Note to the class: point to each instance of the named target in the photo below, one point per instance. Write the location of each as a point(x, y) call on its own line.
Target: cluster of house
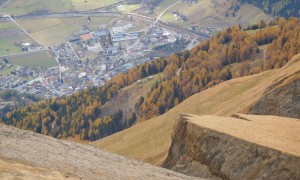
point(4, 64)
point(48, 84)
point(66, 56)
point(9, 82)
point(179, 16)
point(27, 46)
point(89, 58)
point(190, 1)
point(24, 72)
point(16, 78)
point(207, 30)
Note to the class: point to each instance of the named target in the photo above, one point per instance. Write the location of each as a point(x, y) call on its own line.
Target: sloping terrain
point(215, 13)
point(28, 155)
point(149, 141)
point(244, 147)
point(128, 96)
point(281, 99)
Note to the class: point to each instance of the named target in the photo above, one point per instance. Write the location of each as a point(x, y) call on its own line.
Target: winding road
point(4, 4)
point(161, 15)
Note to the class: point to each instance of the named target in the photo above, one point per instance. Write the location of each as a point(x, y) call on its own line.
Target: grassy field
point(129, 8)
point(54, 31)
point(181, 7)
point(20, 7)
point(9, 35)
point(7, 47)
point(149, 141)
point(162, 6)
point(7, 25)
point(168, 17)
point(37, 59)
point(91, 4)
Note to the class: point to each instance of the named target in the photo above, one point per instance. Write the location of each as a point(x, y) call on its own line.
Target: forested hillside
point(279, 8)
point(208, 63)
point(12, 99)
point(185, 73)
point(79, 116)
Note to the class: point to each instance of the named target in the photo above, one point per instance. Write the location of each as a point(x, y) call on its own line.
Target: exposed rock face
point(204, 152)
point(27, 155)
point(281, 99)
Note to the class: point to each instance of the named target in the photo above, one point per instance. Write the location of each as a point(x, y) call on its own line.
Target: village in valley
point(91, 57)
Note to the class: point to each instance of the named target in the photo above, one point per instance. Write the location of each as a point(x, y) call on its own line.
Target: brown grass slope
point(239, 147)
point(213, 13)
point(149, 141)
point(28, 155)
point(279, 133)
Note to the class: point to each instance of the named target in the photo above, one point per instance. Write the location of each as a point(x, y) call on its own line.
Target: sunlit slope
point(213, 13)
point(149, 141)
point(21, 7)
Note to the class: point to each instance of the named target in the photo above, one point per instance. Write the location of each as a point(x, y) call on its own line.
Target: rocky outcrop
point(281, 99)
point(27, 155)
point(199, 149)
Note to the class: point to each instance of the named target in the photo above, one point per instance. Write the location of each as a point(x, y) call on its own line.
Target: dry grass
point(149, 141)
point(28, 155)
point(212, 13)
point(275, 132)
point(20, 7)
point(16, 170)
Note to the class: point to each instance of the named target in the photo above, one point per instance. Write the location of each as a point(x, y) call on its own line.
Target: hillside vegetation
point(184, 74)
point(279, 8)
point(12, 99)
point(150, 140)
point(222, 13)
point(209, 63)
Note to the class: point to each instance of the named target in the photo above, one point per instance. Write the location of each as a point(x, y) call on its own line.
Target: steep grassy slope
point(281, 99)
point(240, 147)
point(285, 8)
point(149, 141)
point(28, 155)
point(215, 13)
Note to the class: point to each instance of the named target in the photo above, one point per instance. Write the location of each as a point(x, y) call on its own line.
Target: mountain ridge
point(236, 95)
